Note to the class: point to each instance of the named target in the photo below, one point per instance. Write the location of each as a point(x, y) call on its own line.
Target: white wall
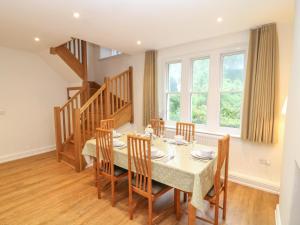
point(289, 202)
point(61, 68)
point(29, 89)
point(244, 157)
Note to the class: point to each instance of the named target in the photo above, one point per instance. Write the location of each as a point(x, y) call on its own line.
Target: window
point(108, 52)
point(205, 88)
point(199, 94)
point(173, 91)
point(231, 93)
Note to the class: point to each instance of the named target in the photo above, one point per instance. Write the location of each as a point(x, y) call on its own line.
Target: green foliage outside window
point(230, 97)
point(232, 90)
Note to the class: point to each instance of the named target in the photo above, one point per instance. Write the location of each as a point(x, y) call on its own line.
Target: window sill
point(198, 131)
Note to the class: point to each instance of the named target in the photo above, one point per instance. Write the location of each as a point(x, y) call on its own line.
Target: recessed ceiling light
point(138, 42)
point(76, 15)
point(37, 39)
point(220, 19)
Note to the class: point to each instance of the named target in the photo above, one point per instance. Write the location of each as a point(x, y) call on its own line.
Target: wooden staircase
point(76, 121)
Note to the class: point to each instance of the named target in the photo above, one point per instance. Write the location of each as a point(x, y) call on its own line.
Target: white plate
point(159, 154)
point(118, 143)
point(199, 154)
point(117, 135)
point(182, 142)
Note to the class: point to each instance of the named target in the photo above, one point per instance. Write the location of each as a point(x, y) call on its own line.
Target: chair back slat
point(158, 126)
point(223, 158)
point(187, 130)
point(139, 155)
point(104, 150)
point(108, 124)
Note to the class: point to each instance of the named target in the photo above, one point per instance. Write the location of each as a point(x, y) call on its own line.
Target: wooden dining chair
point(187, 130)
point(140, 174)
point(107, 124)
point(220, 182)
point(105, 162)
point(158, 126)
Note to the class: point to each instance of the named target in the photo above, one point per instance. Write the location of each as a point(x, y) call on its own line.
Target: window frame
point(230, 130)
point(186, 58)
point(191, 91)
point(168, 92)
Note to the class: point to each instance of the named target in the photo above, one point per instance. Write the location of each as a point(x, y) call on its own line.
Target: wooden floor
point(38, 190)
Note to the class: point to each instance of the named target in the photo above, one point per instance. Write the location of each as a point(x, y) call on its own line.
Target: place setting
point(119, 144)
point(203, 154)
point(177, 140)
point(157, 154)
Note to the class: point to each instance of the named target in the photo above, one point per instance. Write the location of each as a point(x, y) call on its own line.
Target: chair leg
point(130, 203)
point(95, 171)
point(113, 193)
point(99, 186)
point(224, 203)
point(185, 196)
point(217, 211)
point(150, 211)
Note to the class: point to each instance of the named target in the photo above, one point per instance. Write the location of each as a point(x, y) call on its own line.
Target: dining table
point(177, 168)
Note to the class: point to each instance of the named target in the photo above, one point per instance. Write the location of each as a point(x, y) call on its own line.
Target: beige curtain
point(150, 96)
point(261, 87)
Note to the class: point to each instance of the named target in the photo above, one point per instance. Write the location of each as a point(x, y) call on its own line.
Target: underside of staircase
point(77, 120)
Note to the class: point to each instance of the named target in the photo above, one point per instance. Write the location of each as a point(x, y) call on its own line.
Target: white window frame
point(167, 92)
point(191, 92)
point(214, 88)
point(230, 130)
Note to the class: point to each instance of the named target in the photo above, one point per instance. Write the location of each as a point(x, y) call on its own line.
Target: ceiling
point(119, 24)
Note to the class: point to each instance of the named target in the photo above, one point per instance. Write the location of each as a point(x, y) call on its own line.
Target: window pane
point(173, 107)
point(232, 90)
point(199, 108)
point(230, 109)
point(200, 75)
point(174, 76)
point(233, 72)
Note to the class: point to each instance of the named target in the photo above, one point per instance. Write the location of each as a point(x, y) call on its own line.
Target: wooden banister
point(69, 89)
point(74, 53)
point(58, 136)
point(77, 120)
point(92, 99)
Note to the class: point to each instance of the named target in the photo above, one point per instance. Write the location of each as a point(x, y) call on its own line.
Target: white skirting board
point(277, 215)
point(25, 154)
point(254, 182)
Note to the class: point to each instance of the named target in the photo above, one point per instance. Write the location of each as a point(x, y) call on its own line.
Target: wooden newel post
point(107, 97)
point(131, 92)
point(58, 137)
point(77, 140)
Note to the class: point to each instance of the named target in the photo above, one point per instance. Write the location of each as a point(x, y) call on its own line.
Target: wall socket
point(265, 162)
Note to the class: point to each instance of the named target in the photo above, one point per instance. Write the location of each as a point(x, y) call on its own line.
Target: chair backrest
point(187, 130)
point(104, 151)
point(139, 156)
point(108, 124)
point(223, 158)
point(158, 126)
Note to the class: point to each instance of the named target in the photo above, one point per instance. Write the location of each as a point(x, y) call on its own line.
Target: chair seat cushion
point(156, 186)
point(118, 171)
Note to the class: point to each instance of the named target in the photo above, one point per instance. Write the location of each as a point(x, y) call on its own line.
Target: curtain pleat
point(150, 96)
point(260, 109)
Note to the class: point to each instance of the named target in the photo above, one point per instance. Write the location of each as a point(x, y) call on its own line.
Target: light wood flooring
point(38, 190)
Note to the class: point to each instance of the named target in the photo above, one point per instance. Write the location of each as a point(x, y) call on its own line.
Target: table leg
point(177, 203)
point(192, 213)
point(95, 170)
